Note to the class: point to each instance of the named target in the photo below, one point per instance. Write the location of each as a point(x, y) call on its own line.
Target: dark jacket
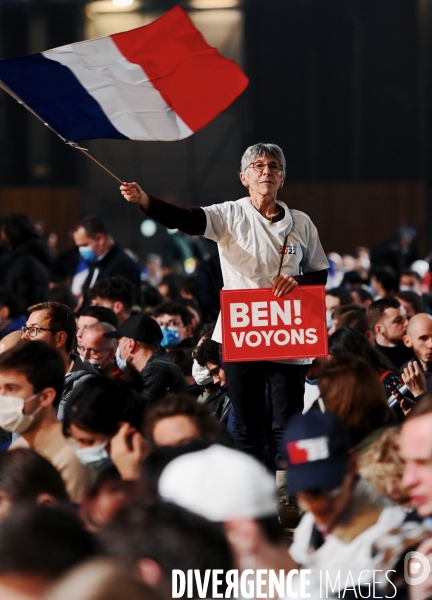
point(25, 271)
point(220, 405)
point(80, 372)
point(116, 262)
point(161, 376)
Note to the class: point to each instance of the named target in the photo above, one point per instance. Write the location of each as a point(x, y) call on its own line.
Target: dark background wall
point(344, 86)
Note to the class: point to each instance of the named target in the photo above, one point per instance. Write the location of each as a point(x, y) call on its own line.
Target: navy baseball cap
point(140, 328)
point(317, 446)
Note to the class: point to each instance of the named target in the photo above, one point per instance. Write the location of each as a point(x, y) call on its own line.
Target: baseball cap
point(141, 328)
point(317, 446)
point(219, 484)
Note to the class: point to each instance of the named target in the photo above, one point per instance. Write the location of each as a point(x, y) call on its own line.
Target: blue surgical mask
point(88, 254)
point(170, 337)
point(95, 457)
point(329, 318)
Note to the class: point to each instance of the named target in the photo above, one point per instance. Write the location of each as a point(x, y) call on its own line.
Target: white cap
point(219, 484)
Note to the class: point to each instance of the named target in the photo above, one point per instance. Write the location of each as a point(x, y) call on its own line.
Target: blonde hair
point(382, 467)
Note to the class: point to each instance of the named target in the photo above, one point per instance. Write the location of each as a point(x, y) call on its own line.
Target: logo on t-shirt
point(288, 250)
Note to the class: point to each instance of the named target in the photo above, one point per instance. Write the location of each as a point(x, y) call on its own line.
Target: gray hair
point(262, 150)
point(102, 327)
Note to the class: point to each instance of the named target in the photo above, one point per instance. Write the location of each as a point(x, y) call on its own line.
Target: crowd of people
point(131, 453)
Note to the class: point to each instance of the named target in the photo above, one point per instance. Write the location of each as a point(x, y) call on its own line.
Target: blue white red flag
point(157, 82)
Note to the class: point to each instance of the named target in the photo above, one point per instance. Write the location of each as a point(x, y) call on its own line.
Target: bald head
point(419, 338)
point(9, 341)
point(418, 322)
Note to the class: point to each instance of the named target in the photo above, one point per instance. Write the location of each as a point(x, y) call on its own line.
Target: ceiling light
point(203, 4)
point(148, 228)
point(112, 6)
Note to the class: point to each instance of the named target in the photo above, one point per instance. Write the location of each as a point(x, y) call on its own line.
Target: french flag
point(157, 82)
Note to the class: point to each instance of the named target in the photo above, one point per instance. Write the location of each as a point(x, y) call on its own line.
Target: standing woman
point(250, 234)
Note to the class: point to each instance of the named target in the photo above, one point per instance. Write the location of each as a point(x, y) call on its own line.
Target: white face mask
point(200, 374)
point(98, 364)
point(95, 457)
point(12, 418)
point(121, 362)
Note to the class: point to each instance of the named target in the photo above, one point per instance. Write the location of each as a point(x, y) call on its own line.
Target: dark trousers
point(247, 387)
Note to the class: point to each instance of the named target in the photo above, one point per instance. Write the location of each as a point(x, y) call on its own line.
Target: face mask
point(329, 319)
point(406, 288)
point(121, 362)
point(171, 337)
point(200, 374)
point(88, 254)
point(12, 418)
point(96, 364)
point(95, 457)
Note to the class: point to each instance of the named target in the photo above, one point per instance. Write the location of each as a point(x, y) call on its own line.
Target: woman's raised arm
point(191, 220)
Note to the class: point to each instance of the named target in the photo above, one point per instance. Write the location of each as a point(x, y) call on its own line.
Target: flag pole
point(69, 143)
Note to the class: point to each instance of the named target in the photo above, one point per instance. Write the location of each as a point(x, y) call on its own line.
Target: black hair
point(173, 308)
point(352, 278)
point(93, 225)
point(172, 281)
point(412, 298)
point(172, 537)
point(24, 474)
point(99, 405)
point(387, 277)
point(40, 363)
point(412, 273)
point(363, 294)
point(117, 289)
point(182, 358)
point(347, 341)
point(18, 229)
point(44, 541)
point(342, 293)
point(101, 313)
point(189, 285)
point(150, 296)
point(61, 318)
point(207, 351)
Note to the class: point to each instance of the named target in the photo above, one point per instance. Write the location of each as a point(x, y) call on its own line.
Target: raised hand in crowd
point(413, 377)
point(127, 450)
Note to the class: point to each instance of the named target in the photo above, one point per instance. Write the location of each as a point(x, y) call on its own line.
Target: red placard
point(256, 325)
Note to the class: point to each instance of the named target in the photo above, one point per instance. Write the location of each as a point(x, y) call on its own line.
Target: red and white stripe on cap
point(303, 451)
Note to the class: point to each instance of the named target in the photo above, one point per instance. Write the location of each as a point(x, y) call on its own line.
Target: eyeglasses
point(260, 166)
point(214, 372)
point(33, 331)
point(93, 353)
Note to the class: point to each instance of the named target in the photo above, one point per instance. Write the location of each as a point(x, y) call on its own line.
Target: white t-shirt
point(250, 247)
point(349, 559)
